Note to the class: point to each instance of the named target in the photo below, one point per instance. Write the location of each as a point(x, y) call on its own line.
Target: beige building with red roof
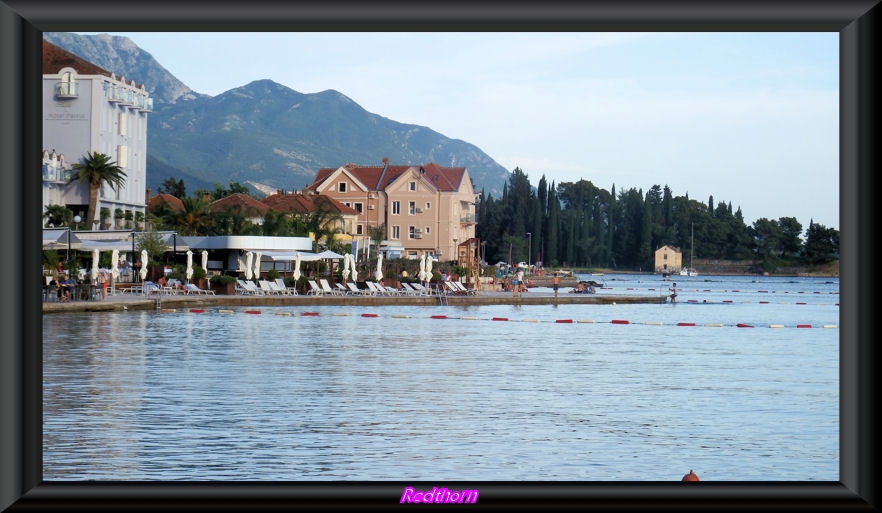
point(424, 208)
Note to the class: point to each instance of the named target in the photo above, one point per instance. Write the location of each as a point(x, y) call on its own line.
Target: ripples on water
point(214, 396)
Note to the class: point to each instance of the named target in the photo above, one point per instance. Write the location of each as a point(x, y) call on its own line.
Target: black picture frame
point(21, 25)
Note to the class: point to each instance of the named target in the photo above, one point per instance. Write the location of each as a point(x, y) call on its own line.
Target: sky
point(748, 118)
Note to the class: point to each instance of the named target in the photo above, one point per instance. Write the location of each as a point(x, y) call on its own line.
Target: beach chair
point(353, 290)
point(451, 289)
point(375, 289)
point(341, 289)
point(421, 288)
point(191, 288)
point(252, 288)
point(390, 290)
point(149, 288)
point(291, 291)
point(326, 288)
point(314, 289)
point(267, 289)
point(463, 289)
point(408, 290)
point(241, 289)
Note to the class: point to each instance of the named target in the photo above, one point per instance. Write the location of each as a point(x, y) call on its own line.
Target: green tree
point(95, 170)
point(57, 215)
point(173, 187)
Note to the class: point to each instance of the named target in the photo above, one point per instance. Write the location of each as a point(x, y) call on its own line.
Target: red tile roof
point(167, 200)
point(239, 202)
point(300, 203)
point(377, 178)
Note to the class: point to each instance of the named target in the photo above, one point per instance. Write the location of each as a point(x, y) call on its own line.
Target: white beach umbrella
point(95, 255)
point(428, 267)
point(249, 259)
point(422, 273)
point(345, 266)
point(297, 267)
point(205, 260)
point(257, 257)
point(352, 270)
point(114, 264)
point(189, 265)
point(379, 272)
point(143, 264)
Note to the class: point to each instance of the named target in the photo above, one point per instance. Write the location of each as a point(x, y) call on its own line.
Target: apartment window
point(412, 255)
point(396, 232)
point(426, 230)
point(412, 186)
point(412, 232)
point(341, 187)
point(411, 207)
point(428, 205)
point(359, 229)
point(358, 206)
point(396, 208)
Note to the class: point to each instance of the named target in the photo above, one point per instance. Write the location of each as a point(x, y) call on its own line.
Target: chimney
point(206, 196)
point(147, 196)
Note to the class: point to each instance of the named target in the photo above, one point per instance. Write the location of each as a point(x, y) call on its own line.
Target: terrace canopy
point(57, 238)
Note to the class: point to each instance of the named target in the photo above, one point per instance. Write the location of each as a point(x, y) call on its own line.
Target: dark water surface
point(338, 396)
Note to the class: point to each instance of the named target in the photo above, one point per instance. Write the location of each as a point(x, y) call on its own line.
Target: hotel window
point(412, 186)
point(428, 205)
point(426, 230)
point(123, 117)
point(341, 187)
point(359, 207)
point(412, 232)
point(396, 208)
point(396, 232)
point(411, 207)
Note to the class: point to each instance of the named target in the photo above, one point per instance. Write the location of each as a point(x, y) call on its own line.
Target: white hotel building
point(87, 109)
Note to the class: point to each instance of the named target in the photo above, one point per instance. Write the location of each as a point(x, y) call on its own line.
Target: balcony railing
point(66, 90)
point(467, 219)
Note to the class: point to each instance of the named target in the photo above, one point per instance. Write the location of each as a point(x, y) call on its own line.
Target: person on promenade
point(136, 272)
point(59, 268)
point(522, 285)
point(102, 282)
point(555, 283)
point(56, 282)
point(162, 282)
point(673, 293)
point(67, 284)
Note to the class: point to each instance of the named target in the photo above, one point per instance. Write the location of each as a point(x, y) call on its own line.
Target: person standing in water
point(673, 293)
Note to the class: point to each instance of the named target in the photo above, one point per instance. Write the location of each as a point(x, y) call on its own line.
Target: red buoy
point(690, 476)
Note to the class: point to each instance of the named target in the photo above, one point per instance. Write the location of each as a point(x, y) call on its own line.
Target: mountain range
point(264, 134)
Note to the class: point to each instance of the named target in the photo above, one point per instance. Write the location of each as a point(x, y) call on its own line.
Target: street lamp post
point(133, 256)
point(529, 247)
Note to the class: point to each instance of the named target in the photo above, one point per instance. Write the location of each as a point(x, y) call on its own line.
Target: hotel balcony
point(66, 90)
point(467, 219)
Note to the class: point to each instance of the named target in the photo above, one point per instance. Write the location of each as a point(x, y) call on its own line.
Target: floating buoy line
point(440, 317)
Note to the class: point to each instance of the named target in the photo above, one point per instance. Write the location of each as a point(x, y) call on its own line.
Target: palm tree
point(96, 169)
point(57, 215)
point(324, 223)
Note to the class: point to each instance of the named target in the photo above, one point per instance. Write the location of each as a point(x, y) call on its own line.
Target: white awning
point(59, 238)
point(289, 256)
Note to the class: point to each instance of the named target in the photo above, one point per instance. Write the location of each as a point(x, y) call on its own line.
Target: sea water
point(637, 392)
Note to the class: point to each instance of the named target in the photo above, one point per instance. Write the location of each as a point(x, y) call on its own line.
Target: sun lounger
point(291, 291)
point(408, 290)
point(191, 288)
point(326, 288)
point(462, 288)
point(355, 291)
point(314, 289)
point(267, 288)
